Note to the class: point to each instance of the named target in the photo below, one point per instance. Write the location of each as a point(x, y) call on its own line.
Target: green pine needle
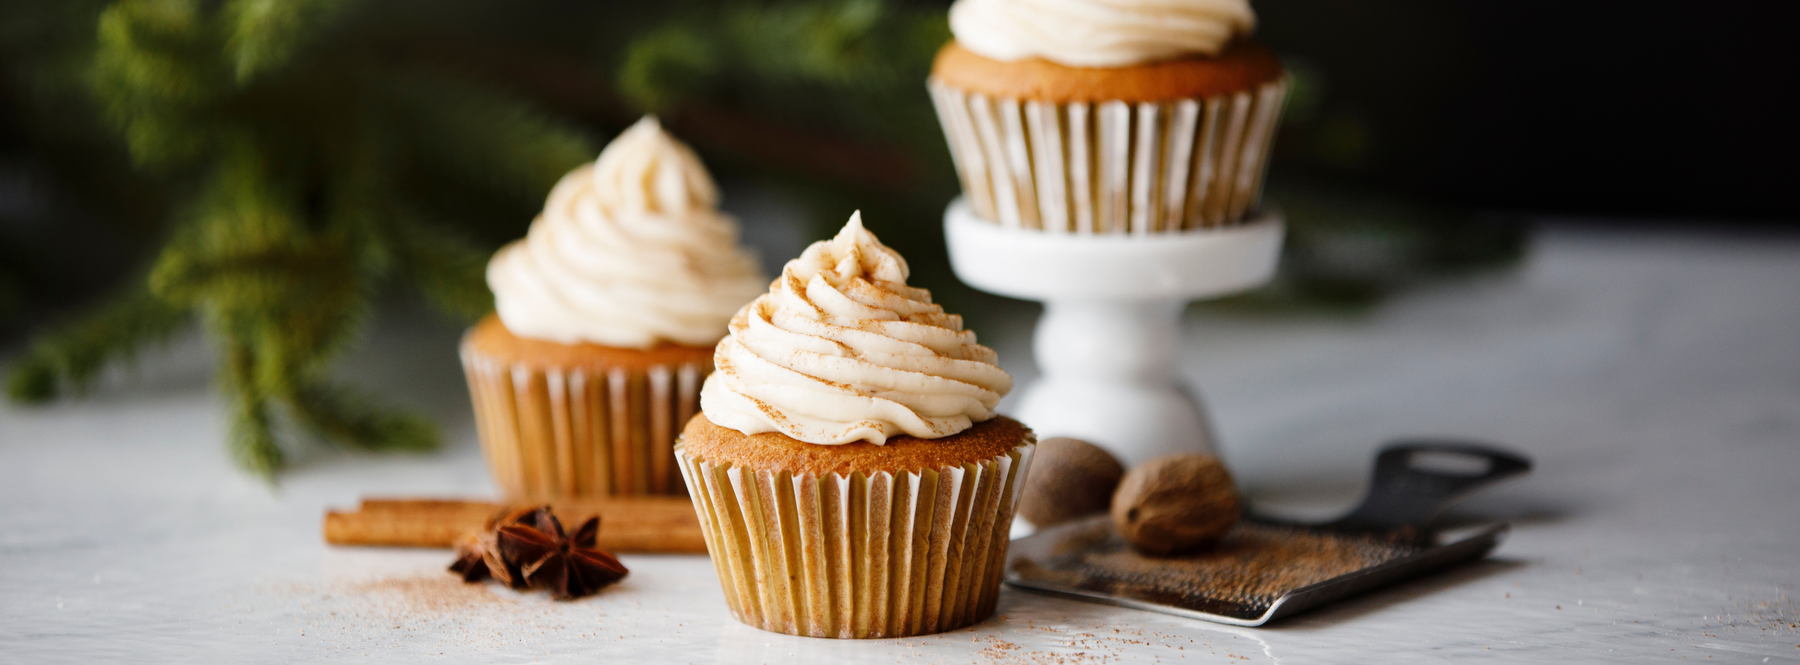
point(253, 442)
point(252, 439)
point(265, 33)
point(820, 41)
point(450, 270)
point(32, 379)
point(154, 70)
point(66, 360)
point(349, 418)
point(485, 135)
point(666, 66)
point(853, 65)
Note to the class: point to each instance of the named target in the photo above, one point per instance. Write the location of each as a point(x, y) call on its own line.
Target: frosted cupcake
point(849, 470)
point(606, 316)
point(1108, 116)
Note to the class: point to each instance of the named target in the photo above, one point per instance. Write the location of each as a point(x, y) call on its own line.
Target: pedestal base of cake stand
point(1106, 344)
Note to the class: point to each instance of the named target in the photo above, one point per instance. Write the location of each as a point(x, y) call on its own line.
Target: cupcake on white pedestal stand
point(1107, 341)
point(1112, 156)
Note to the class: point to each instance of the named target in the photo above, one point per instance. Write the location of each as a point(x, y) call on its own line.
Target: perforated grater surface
point(1264, 570)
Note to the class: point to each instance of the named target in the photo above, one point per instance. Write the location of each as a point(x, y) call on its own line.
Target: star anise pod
point(471, 559)
point(528, 548)
point(568, 566)
point(478, 556)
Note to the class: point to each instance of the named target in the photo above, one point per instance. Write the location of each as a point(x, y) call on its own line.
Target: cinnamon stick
point(635, 524)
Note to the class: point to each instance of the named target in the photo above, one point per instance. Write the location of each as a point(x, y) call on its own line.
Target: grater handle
point(1415, 480)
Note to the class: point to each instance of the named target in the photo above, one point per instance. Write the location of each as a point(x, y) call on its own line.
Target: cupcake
point(847, 465)
point(1108, 116)
point(606, 314)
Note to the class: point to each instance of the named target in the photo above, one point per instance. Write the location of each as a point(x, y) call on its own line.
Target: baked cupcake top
point(840, 349)
point(630, 251)
point(772, 451)
point(1098, 33)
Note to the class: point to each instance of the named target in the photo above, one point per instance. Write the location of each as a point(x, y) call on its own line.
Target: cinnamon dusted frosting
point(630, 251)
point(840, 349)
point(1098, 33)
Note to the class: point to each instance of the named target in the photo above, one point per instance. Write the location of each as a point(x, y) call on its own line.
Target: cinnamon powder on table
point(430, 594)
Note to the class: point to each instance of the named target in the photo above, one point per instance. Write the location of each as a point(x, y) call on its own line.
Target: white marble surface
point(1655, 378)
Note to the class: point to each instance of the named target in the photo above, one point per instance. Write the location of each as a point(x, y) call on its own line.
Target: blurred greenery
point(272, 168)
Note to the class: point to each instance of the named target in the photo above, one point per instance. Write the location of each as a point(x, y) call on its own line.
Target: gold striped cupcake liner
point(1113, 166)
point(859, 555)
point(557, 432)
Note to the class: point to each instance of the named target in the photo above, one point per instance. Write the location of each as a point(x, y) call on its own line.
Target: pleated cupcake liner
point(561, 432)
point(1111, 167)
point(887, 554)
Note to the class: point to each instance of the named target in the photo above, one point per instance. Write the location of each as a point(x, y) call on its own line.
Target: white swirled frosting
point(630, 251)
point(1098, 33)
point(840, 349)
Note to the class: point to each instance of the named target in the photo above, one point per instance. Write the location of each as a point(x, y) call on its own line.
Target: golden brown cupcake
point(848, 468)
point(606, 315)
point(1117, 116)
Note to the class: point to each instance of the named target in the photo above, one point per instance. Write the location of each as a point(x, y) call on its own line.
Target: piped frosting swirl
point(1098, 33)
point(840, 349)
point(630, 251)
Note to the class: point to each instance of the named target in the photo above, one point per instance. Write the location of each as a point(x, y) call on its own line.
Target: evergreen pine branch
point(350, 418)
point(361, 199)
point(449, 269)
point(299, 340)
point(252, 435)
point(814, 41)
point(852, 64)
point(482, 134)
point(155, 68)
point(268, 279)
point(66, 360)
point(668, 65)
point(245, 244)
point(157, 50)
point(870, 56)
point(264, 34)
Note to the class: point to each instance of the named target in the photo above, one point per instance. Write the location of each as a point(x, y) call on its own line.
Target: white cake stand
point(1112, 304)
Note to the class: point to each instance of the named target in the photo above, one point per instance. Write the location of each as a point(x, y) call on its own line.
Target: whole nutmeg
point(1176, 503)
point(1069, 478)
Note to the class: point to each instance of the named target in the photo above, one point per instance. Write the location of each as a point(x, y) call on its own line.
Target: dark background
point(1648, 110)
